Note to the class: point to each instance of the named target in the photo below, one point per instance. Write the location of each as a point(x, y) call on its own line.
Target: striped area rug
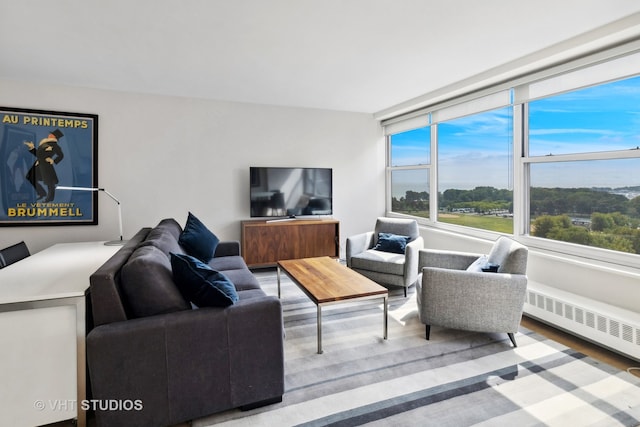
point(456, 379)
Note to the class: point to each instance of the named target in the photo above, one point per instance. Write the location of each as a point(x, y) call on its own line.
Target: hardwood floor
point(592, 350)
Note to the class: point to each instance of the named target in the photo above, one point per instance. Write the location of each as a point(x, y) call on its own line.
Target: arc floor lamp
point(112, 242)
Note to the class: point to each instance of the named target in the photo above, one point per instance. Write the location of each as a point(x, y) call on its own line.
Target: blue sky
point(600, 118)
point(475, 150)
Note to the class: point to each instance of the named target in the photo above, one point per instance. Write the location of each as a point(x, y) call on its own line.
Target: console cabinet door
point(316, 240)
point(265, 243)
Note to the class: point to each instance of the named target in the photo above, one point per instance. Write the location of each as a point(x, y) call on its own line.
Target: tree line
point(587, 216)
point(581, 202)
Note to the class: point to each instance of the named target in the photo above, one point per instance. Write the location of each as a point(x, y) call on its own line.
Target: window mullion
point(433, 177)
point(601, 155)
point(520, 176)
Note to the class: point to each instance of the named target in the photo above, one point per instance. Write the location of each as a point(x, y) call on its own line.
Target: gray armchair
point(454, 291)
point(381, 266)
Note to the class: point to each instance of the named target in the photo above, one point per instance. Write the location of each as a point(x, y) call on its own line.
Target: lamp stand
point(111, 242)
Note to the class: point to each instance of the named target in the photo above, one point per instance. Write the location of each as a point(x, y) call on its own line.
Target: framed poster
point(39, 152)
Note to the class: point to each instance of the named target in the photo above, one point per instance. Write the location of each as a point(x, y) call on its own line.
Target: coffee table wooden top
point(325, 280)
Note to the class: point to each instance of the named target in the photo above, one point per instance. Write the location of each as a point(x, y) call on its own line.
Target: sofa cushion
point(198, 240)
point(394, 243)
point(163, 239)
point(171, 226)
point(202, 285)
point(227, 263)
point(242, 279)
point(148, 286)
point(251, 294)
point(383, 262)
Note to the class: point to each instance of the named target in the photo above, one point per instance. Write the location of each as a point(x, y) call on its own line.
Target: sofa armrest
point(357, 244)
point(256, 351)
point(227, 248)
point(188, 364)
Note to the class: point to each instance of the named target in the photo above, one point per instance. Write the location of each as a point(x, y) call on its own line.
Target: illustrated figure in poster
point(48, 153)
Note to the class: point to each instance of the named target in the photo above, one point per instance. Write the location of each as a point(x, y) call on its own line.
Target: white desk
point(42, 333)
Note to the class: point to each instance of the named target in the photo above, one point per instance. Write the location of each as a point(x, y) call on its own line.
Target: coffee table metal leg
point(319, 329)
point(386, 318)
point(278, 269)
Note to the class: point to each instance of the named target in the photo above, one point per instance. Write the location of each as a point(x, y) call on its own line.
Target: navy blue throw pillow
point(197, 240)
point(394, 243)
point(200, 284)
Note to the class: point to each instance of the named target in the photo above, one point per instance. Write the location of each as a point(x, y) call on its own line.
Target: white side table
point(42, 333)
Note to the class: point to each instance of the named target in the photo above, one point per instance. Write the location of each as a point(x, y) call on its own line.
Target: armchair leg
point(513, 339)
point(427, 331)
point(405, 291)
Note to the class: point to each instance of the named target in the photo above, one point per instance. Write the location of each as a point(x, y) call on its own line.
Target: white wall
point(165, 156)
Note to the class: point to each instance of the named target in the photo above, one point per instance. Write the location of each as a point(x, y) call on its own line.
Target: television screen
point(290, 192)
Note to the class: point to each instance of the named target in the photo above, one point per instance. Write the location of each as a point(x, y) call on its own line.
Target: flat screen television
point(291, 192)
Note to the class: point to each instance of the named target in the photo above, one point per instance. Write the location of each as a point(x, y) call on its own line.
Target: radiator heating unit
point(614, 328)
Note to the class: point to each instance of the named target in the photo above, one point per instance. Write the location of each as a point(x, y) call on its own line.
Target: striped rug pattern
point(457, 378)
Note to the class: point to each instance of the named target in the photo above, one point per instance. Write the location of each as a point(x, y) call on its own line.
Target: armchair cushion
point(394, 243)
point(383, 262)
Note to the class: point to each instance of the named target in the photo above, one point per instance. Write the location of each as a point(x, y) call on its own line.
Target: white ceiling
point(352, 55)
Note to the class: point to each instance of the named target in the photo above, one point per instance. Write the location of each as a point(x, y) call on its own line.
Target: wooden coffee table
point(325, 281)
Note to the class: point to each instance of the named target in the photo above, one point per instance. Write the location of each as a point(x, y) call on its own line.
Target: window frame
point(510, 172)
point(525, 161)
point(390, 169)
point(522, 162)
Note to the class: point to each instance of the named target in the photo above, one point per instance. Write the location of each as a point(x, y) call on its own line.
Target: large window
point(584, 166)
point(409, 159)
point(553, 159)
point(474, 171)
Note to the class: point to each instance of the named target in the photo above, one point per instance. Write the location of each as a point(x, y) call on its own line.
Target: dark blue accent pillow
point(200, 284)
point(394, 243)
point(197, 240)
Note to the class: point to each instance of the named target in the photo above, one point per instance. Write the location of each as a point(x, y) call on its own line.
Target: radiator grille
point(568, 311)
point(618, 334)
point(614, 328)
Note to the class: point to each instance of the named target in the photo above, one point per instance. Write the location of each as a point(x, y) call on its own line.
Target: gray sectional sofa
point(176, 362)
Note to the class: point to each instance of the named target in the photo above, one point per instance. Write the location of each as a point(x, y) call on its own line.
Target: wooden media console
point(265, 242)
